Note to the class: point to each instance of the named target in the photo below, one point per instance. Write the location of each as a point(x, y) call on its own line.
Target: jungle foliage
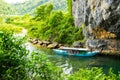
point(54, 26)
point(16, 63)
point(93, 74)
point(29, 6)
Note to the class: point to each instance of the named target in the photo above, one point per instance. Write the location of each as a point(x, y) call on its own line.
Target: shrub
point(16, 63)
point(58, 27)
point(12, 57)
point(93, 74)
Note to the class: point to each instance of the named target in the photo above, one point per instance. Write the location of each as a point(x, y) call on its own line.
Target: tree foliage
point(69, 4)
point(29, 6)
point(6, 8)
point(55, 26)
point(43, 12)
point(12, 57)
point(16, 63)
point(93, 74)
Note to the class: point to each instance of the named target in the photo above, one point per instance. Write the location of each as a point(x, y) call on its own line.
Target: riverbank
point(47, 44)
point(53, 45)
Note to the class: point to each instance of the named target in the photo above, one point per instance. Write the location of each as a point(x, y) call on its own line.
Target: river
point(71, 64)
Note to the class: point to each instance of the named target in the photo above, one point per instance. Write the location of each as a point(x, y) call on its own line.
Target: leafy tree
point(6, 8)
point(55, 19)
point(12, 57)
point(43, 11)
point(55, 26)
point(69, 4)
point(16, 63)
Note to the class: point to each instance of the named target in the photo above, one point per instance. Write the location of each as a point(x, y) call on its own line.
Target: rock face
point(102, 20)
point(79, 44)
point(103, 13)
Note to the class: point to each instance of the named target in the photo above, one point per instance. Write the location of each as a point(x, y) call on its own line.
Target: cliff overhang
point(102, 20)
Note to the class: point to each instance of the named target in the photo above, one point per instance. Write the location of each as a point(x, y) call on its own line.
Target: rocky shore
point(104, 48)
point(53, 45)
point(47, 44)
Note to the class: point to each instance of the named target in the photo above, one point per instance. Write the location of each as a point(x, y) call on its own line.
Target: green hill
point(29, 6)
point(6, 8)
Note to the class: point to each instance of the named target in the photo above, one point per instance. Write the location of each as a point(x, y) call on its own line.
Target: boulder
point(46, 42)
point(40, 42)
point(35, 41)
point(103, 13)
point(102, 22)
point(78, 44)
point(53, 45)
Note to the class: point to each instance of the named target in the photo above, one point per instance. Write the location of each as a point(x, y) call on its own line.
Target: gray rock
point(103, 13)
point(78, 44)
point(96, 44)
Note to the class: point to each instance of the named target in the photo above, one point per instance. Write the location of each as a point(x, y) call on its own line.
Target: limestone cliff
point(102, 20)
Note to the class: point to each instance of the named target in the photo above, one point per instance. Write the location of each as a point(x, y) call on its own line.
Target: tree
point(43, 12)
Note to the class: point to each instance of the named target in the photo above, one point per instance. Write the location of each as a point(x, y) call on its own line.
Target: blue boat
point(79, 52)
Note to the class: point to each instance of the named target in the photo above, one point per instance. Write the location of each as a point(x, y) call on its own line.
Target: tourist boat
point(75, 51)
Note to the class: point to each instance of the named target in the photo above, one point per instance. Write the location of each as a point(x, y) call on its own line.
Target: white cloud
point(14, 1)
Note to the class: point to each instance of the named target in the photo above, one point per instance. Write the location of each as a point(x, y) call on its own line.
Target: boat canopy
point(70, 48)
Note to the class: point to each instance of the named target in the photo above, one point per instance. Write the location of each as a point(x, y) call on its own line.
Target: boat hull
point(64, 52)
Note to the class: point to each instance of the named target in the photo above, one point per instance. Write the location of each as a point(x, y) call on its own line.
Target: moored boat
point(75, 51)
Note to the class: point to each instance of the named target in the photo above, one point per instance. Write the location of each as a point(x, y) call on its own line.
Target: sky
point(14, 1)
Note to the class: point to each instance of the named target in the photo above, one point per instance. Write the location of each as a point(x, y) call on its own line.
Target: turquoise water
point(71, 64)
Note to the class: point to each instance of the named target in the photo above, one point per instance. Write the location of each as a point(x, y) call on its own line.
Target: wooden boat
point(75, 51)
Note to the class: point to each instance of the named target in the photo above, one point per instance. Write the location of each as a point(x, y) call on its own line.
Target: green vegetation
point(69, 4)
point(93, 74)
point(10, 27)
point(29, 6)
point(16, 63)
point(12, 57)
point(6, 8)
point(54, 26)
point(47, 24)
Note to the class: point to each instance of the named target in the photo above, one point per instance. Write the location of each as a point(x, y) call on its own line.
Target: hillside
point(30, 6)
point(6, 8)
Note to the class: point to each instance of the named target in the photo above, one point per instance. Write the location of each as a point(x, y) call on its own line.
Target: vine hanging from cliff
point(69, 3)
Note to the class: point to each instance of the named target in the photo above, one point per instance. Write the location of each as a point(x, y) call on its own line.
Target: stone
point(53, 45)
point(78, 44)
point(103, 13)
point(60, 45)
point(30, 40)
point(46, 42)
point(35, 42)
point(40, 42)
